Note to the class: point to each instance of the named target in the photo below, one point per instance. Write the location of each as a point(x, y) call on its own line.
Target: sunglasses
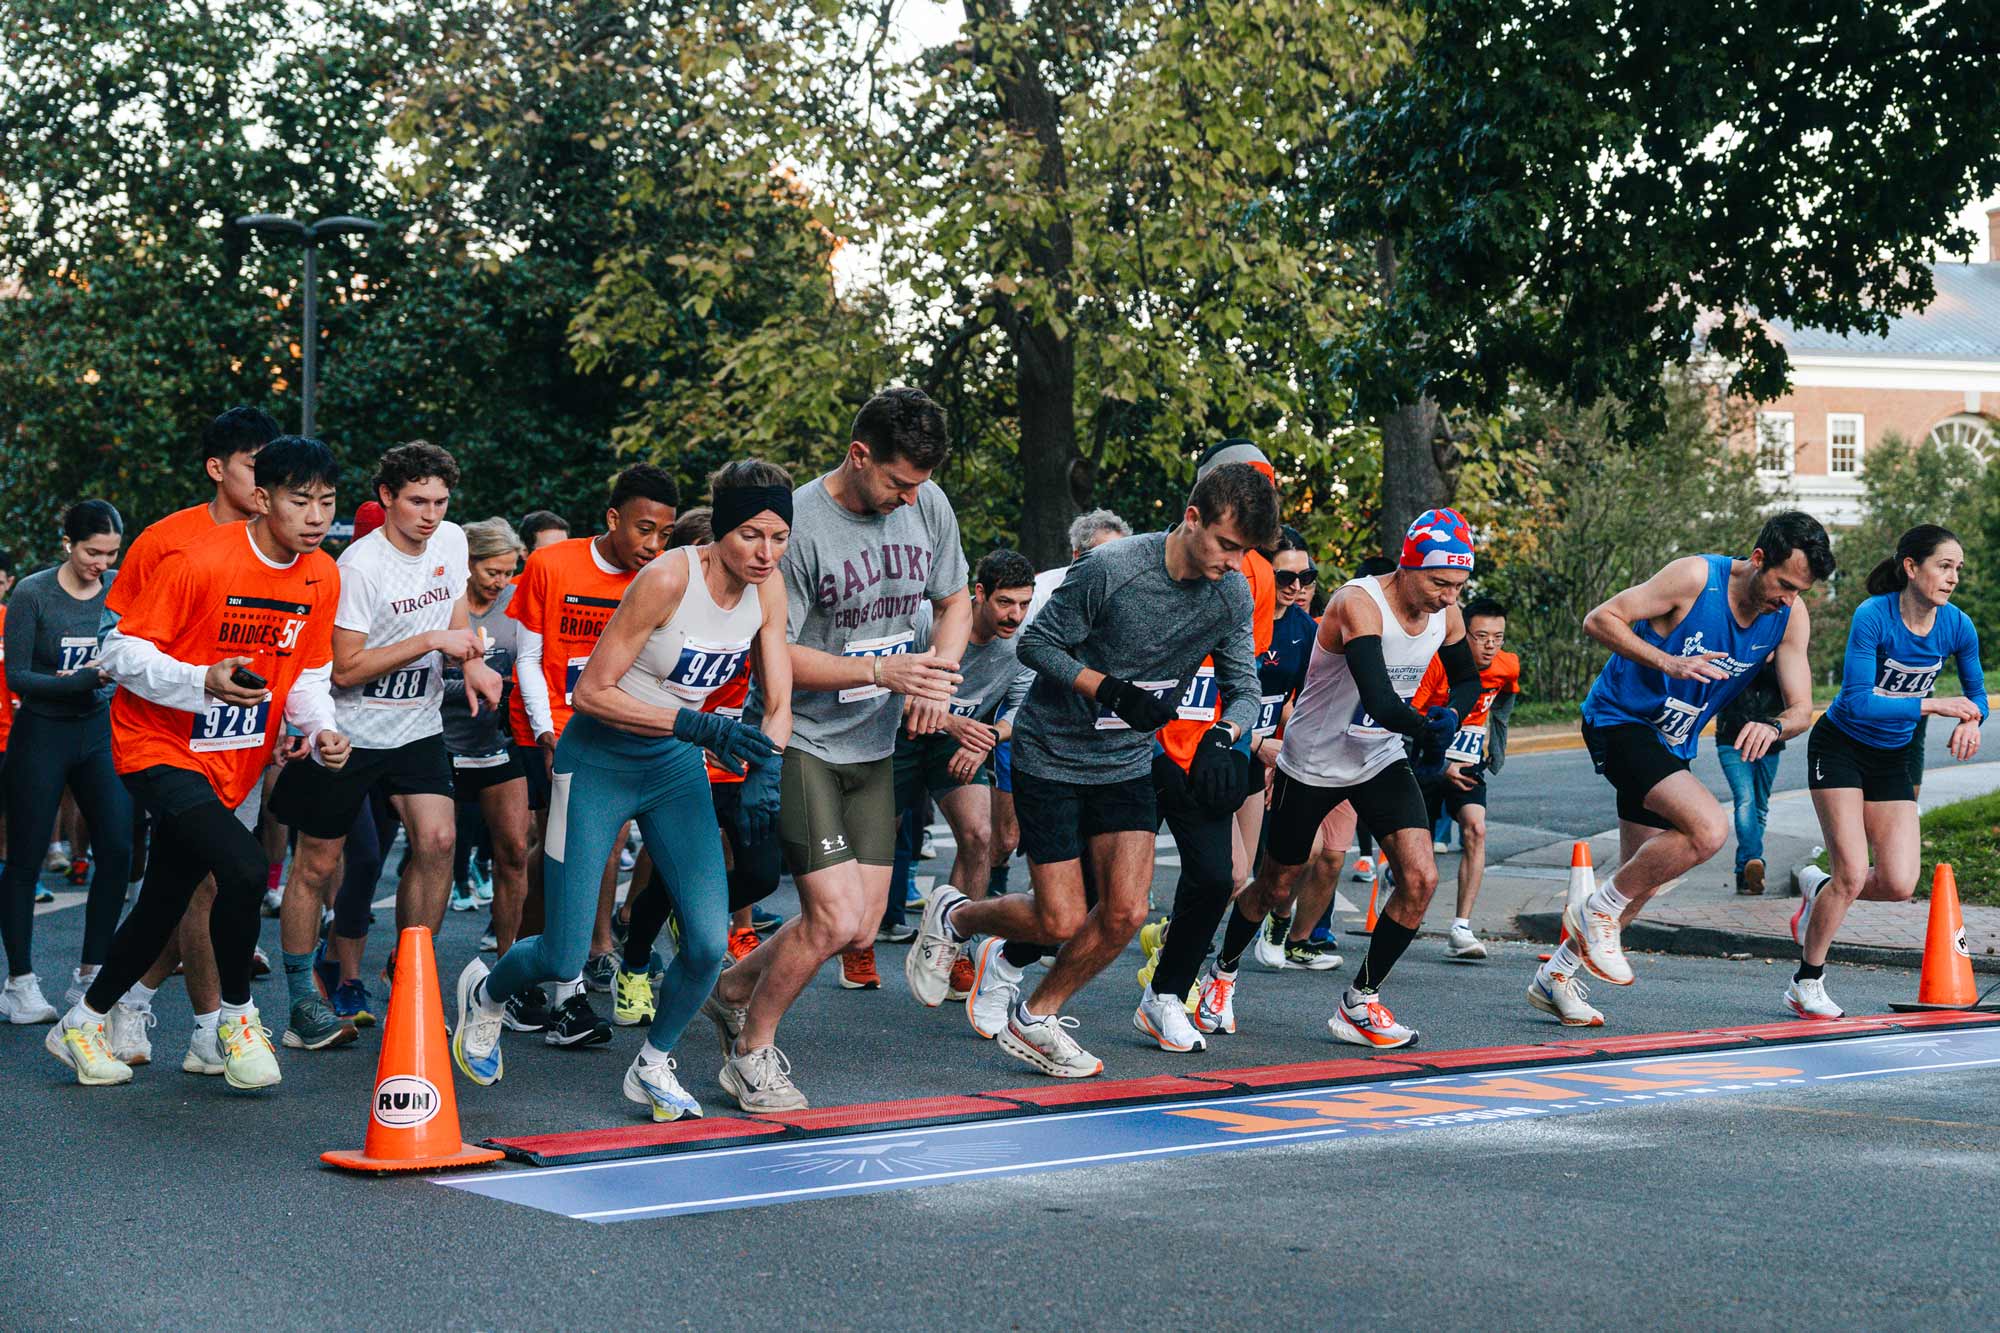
point(1287, 578)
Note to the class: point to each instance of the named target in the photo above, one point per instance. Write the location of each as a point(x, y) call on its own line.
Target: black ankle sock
point(1020, 953)
point(1808, 972)
point(1387, 944)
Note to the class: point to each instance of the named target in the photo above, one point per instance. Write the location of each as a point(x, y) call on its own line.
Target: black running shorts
point(322, 803)
point(1389, 801)
point(1634, 760)
point(1057, 818)
point(1835, 760)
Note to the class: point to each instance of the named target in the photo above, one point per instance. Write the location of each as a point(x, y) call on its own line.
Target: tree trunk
point(1414, 477)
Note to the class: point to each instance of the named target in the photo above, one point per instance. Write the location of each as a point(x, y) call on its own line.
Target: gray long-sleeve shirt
point(52, 647)
point(466, 736)
point(1118, 611)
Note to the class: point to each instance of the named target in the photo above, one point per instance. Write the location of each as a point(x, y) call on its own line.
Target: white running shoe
point(728, 1020)
point(475, 1038)
point(1166, 1022)
point(1046, 1044)
point(927, 966)
point(274, 901)
point(1464, 945)
point(1810, 879)
point(1266, 952)
point(78, 984)
point(1368, 1022)
point(204, 1052)
point(994, 994)
point(1565, 996)
point(761, 1082)
point(1215, 1001)
point(654, 1085)
point(125, 1032)
point(79, 1043)
point(248, 1058)
point(1364, 869)
point(1808, 999)
point(22, 1001)
point(1596, 939)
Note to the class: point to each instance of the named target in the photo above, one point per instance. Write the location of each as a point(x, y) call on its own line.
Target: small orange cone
point(1582, 883)
point(412, 1113)
point(1946, 982)
point(1367, 926)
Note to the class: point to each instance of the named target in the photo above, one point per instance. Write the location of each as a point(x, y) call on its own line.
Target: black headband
point(739, 504)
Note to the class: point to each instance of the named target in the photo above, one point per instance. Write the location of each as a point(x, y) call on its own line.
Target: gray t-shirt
point(853, 583)
point(1119, 612)
point(52, 647)
point(992, 670)
point(484, 736)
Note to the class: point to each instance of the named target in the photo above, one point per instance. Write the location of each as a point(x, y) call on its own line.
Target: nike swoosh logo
point(311, 582)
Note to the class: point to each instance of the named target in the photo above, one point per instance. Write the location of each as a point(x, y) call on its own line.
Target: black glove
point(1140, 709)
point(1440, 725)
point(733, 743)
point(757, 804)
point(1170, 780)
point(1214, 777)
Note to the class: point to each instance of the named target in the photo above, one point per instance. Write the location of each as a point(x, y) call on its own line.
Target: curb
point(1708, 942)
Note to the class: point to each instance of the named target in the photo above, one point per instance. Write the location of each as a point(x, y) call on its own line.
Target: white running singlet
point(391, 597)
point(1330, 741)
point(700, 648)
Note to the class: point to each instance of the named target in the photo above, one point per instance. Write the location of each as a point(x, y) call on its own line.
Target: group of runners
point(780, 678)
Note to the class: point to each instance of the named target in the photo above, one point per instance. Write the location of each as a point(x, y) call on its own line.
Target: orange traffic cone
point(1946, 982)
point(412, 1114)
point(1582, 883)
point(1367, 926)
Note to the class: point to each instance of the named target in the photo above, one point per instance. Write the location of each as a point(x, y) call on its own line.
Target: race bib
point(405, 687)
point(704, 667)
point(1110, 721)
point(571, 675)
point(81, 652)
point(1893, 679)
point(889, 645)
point(1270, 707)
point(229, 727)
point(1468, 746)
point(964, 707)
point(1364, 727)
point(1676, 722)
point(480, 760)
point(1197, 701)
point(734, 714)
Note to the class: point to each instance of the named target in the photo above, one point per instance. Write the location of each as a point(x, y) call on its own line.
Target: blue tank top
point(1626, 693)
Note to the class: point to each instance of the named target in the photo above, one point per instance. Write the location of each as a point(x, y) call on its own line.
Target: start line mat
point(756, 1175)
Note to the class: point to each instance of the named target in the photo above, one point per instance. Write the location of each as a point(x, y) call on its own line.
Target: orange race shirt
point(219, 598)
point(7, 698)
point(1503, 677)
point(728, 701)
point(1201, 704)
point(567, 598)
point(176, 531)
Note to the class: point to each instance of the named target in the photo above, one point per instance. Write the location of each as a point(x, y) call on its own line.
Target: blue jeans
point(1750, 784)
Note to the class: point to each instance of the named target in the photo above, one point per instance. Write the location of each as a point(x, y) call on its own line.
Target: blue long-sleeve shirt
point(1890, 670)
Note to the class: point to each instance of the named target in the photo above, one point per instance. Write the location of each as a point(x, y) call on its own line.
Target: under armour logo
point(837, 843)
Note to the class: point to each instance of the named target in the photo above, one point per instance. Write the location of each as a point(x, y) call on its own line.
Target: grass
point(1966, 834)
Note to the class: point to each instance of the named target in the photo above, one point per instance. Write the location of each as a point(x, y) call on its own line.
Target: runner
point(870, 540)
point(193, 726)
point(635, 754)
point(401, 613)
point(64, 742)
point(229, 446)
point(562, 601)
point(1344, 743)
point(1684, 643)
point(1130, 624)
point(1475, 750)
point(542, 527)
point(1897, 643)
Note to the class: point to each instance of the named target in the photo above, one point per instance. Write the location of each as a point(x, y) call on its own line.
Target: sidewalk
point(1523, 896)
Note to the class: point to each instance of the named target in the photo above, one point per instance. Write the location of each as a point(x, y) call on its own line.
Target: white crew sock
point(229, 1010)
point(140, 996)
point(82, 1016)
point(1461, 923)
point(652, 1055)
point(207, 1022)
point(565, 989)
point(1607, 899)
point(1564, 960)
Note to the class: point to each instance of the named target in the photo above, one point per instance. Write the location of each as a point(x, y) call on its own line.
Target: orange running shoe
point(79, 870)
point(857, 970)
point(741, 942)
point(962, 979)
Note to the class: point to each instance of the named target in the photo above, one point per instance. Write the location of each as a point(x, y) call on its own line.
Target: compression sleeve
point(1462, 674)
point(534, 685)
point(1970, 674)
point(1378, 696)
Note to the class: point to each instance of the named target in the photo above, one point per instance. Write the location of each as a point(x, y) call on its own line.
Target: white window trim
point(1860, 441)
point(1788, 420)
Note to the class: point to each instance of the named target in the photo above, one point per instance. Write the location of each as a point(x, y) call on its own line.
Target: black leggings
point(194, 836)
point(367, 843)
point(51, 753)
point(1208, 880)
point(753, 877)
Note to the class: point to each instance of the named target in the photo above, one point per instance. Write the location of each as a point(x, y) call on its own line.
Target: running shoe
point(326, 970)
point(1045, 1044)
point(313, 1026)
point(1268, 949)
point(1364, 869)
point(928, 850)
point(761, 1082)
point(463, 899)
point(79, 871)
point(1215, 1001)
point(1595, 935)
point(527, 1010)
point(22, 1001)
point(1166, 1022)
point(1808, 999)
point(1440, 845)
point(621, 927)
point(857, 970)
point(764, 922)
point(1152, 939)
point(475, 1038)
point(628, 858)
point(1565, 996)
point(1750, 879)
point(961, 979)
point(43, 893)
point(927, 965)
point(248, 1058)
point(914, 900)
point(600, 973)
point(728, 1020)
point(994, 993)
point(1310, 956)
point(57, 861)
point(575, 1023)
point(633, 1001)
point(1363, 1020)
point(204, 1052)
point(85, 1051)
point(274, 902)
point(895, 932)
point(489, 942)
point(480, 877)
point(741, 943)
point(653, 1084)
point(1464, 946)
point(1810, 879)
point(260, 963)
point(351, 1004)
point(125, 1032)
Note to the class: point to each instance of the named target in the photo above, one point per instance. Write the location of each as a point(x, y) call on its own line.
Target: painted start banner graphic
point(758, 1175)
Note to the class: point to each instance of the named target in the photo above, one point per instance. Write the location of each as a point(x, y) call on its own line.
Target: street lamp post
point(308, 235)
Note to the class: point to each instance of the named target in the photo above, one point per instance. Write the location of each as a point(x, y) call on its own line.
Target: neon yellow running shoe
point(248, 1060)
point(84, 1049)
point(633, 1003)
point(1152, 938)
